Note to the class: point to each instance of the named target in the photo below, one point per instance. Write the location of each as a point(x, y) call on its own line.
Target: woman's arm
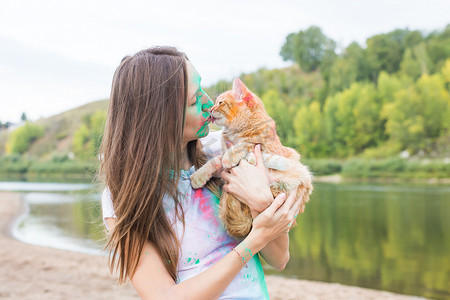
point(251, 183)
point(276, 252)
point(152, 281)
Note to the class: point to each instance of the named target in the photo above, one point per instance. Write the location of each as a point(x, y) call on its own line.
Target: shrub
point(320, 167)
point(21, 138)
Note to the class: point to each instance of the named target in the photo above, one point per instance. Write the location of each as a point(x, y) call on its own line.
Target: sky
point(57, 55)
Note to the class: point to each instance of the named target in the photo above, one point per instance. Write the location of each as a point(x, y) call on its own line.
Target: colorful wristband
point(240, 256)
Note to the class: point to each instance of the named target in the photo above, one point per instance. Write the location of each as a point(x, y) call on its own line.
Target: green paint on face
point(202, 103)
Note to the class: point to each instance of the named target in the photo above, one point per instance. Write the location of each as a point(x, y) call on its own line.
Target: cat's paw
point(236, 159)
point(227, 162)
point(251, 158)
point(233, 156)
point(198, 180)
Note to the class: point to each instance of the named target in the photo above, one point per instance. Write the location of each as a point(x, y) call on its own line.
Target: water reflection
point(392, 238)
point(69, 220)
point(389, 237)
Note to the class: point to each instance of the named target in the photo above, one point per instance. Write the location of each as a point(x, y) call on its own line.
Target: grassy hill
point(58, 131)
point(50, 155)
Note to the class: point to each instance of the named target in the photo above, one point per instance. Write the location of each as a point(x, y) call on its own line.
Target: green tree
point(328, 59)
point(419, 113)
point(445, 70)
point(278, 110)
point(352, 119)
point(389, 84)
point(415, 62)
point(331, 123)
point(80, 141)
point(436, 104)
point(438, 46)
point(307, 48)
point(405, 124)
point(97, 123)
point(23, 117)
point(343, 74)
point(384, 52)
point(351, 66)
point(309, 129)
point(289, 48)
point(87, 138)
point(422, 56)
point(20, 139)
point(410, 66)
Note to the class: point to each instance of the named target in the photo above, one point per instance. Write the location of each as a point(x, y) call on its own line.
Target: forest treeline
point(375, 101)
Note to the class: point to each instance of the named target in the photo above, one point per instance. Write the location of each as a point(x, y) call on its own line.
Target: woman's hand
point(250, 184)
point(277, 219)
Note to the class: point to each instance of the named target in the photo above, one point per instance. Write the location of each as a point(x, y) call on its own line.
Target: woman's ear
point(241, 92)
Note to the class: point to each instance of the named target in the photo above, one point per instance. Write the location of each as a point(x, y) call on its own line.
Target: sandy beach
point(35, 272)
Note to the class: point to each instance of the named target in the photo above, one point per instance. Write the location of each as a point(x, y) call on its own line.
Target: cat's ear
point(241, 92)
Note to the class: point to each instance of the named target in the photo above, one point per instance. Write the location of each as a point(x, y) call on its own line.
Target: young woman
point(165, 236)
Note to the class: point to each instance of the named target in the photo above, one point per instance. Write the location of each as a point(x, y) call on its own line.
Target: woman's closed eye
point(196, 98)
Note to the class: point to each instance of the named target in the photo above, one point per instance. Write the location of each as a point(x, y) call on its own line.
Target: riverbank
point(35, 272)
point(337, 178)
point(394, 169)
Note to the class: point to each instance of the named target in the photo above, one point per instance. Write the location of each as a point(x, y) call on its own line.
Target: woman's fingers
point(259, 158)
point(296, 208)
point(276, 204)
point(225, 175)
point(243, 162)
point(290, 201)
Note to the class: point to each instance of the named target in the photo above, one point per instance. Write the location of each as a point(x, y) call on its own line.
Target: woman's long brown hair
point(142, 153)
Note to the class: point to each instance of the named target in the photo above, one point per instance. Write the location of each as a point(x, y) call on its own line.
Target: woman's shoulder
point(212, 143)
point(107, 206)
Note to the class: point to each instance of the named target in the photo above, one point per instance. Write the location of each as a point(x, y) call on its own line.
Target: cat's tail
point(235, 216)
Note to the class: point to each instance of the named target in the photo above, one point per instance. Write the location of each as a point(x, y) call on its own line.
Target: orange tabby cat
point(246, 124)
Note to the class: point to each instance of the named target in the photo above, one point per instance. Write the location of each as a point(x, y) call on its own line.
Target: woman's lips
point(211, 119)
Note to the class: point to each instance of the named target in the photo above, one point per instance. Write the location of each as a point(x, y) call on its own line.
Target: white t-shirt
point(205, 241)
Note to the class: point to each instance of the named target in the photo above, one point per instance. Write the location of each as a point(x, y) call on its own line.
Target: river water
point(380, 236)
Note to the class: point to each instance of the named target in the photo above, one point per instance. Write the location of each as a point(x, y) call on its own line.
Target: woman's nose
point(209, 103)
point(206, 107)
